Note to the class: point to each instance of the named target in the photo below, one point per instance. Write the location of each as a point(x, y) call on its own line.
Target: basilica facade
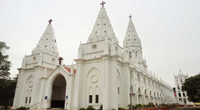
point(105, 73)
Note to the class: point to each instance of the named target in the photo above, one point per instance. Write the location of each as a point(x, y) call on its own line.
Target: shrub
point(151, 104)
point(138, 105)
point(90, 108)
point(162, 105)
point(22, 108)
point(82, 109)
point(120, 108)
point(101, 107)
point(133, 107)
point(129, 106)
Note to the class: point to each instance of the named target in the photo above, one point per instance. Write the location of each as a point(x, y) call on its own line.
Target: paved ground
point(186, 108)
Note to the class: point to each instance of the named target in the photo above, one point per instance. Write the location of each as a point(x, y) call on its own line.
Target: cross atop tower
point(60, 59)
point(50, 21)
point(102, 3)
point(130, 16)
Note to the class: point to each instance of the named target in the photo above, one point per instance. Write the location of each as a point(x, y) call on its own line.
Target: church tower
point(40, 63)
point(102, 29)
point(133, 46)
point(46, 51)
point(97, 59)
point(47, 43)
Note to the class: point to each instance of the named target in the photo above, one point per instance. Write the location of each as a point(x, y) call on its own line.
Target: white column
point(137, 99)
point(106, 85)
point(77, 86)
point(144, 99)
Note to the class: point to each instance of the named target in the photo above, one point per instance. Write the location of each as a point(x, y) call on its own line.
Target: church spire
point(47, 42)
point(131, 37)
point(102, 29)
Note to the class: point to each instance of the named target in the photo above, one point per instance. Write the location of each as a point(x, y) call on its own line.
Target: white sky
point(169, 29)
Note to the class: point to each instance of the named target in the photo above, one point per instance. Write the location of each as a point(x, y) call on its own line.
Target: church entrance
point(58, 92)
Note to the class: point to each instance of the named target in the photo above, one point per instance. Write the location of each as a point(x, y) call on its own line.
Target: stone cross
point(50, 21)
point(130, 16)
point(102, 3)
point(60, 60)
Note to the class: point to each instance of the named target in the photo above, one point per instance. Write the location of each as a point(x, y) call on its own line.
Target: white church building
point(105, 73)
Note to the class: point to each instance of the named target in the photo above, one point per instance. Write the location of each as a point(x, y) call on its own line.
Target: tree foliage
point(7, 91)
point(7, 87)
point(192, 87)
point(4, 63)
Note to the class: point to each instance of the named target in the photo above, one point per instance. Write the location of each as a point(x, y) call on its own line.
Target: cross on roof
point(130, 16)
point(60, 60)
point(50, 21)
point(102, 3)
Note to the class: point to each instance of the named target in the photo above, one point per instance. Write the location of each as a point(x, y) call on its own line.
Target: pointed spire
point(131, 37)
point(102, 29)
point(47, 42)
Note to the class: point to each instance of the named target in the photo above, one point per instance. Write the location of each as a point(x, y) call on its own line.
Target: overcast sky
point(169, 29)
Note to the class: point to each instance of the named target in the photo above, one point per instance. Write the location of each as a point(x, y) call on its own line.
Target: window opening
point(26, 99)
point(97, 98)
point(90, 98)
point(179, 94)
point(29, 99)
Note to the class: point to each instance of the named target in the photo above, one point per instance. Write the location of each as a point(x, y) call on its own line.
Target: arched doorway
point(58, 92)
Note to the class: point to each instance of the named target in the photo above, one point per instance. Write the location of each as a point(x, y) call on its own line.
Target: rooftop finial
point(50, 21)
point(130, 16)
point(102, 3)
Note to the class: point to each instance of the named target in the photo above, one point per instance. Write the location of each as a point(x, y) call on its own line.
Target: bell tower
point(132, 45)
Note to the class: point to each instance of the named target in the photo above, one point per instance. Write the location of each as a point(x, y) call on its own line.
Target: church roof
point(69, 69)
point(102, 28)
point(131, 37)
point(47, 42)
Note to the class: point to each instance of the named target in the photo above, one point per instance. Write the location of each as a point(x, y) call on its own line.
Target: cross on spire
point(60, 60)
point(130, 16)
point(50, 21)
point(102, 3)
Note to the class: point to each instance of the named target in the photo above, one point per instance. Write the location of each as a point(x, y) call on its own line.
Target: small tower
point(38, 65)
point(132, 45)
point(46, 51)
point(181, 96)
point(131, 38)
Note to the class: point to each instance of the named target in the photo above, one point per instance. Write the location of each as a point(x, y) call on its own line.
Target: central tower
point(97, 73)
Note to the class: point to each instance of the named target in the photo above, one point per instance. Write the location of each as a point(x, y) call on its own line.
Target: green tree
point(7, 91)
point(191, 86)
point(4, 63)
point(7, 87)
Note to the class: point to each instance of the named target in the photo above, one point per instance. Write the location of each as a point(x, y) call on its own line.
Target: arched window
point(130, 54)
point(97, 94)
point(179, 94)
point(183, 94)
point(138, 77)
point(90, 94)
point(30, 96)
point(136, 53)
point(26, 98)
